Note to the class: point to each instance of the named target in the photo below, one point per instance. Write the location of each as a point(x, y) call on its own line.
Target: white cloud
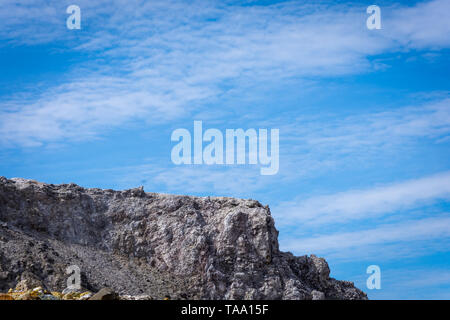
point(371, 130)
point(317, 144)
point(354, 205)
point(352, 243)
point(425, 25)
point(87, 107)
point(167, 58)
point(408, 282)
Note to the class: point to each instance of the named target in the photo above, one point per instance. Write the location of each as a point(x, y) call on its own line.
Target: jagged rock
point(49, 297)
point(141, 297)
point(23, 285)
point(86, 295)
point(140, 243)
point(317, 295)
point(6, 296)
point(105, 294)
point(24, 296)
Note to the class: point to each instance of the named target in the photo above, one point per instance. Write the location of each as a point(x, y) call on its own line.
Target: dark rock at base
point(105, 294)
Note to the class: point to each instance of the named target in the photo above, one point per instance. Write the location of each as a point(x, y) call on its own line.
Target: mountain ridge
point(160, 245)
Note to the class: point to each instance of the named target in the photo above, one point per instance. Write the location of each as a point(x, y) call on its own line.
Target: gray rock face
point(140, 243)
point(104, 294)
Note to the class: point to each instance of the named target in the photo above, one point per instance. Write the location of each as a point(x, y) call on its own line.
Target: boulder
point(105, 294)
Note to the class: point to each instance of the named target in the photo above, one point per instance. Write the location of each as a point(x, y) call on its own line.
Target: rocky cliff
point(159, 245)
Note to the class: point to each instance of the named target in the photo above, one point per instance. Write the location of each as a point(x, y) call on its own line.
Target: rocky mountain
point(141, 243)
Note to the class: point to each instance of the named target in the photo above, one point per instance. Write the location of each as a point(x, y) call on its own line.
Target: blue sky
point(364, 116)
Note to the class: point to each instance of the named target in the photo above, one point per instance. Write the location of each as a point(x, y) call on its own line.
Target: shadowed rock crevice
point(154, 244)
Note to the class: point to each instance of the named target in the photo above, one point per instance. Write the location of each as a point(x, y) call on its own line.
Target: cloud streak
point(160, 64)
point(354, 205)
point(371, 131)
point(406, 232)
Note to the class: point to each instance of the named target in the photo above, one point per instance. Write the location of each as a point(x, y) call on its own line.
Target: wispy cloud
point(362, 244)
point(314, 145)
point(344, 207)
point(371, 131)
point(159, 64)
point(88, 107)
point(420, 26)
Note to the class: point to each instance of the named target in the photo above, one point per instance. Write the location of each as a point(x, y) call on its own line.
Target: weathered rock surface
point(105, 294)
point(153, 245)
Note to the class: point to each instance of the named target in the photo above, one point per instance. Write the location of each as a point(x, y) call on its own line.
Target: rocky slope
point(154, 244)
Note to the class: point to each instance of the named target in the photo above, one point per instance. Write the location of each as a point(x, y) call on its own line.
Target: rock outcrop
point(140, 243)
